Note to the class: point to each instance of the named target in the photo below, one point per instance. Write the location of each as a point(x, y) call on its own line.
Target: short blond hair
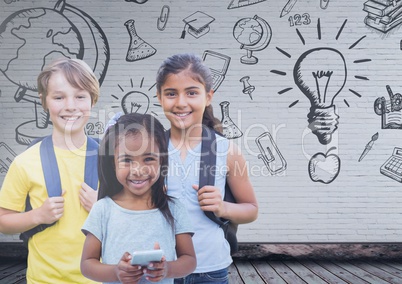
point(77, 73)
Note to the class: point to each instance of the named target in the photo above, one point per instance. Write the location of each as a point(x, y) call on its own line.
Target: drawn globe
point(56, 31)
point(248, 31)
point(23, 56)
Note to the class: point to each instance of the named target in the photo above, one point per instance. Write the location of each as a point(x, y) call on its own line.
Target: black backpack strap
point(208, 167)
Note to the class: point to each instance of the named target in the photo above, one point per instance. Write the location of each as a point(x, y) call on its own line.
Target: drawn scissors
point(163, 18)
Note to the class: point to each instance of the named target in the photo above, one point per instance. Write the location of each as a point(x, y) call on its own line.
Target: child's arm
point(184, 264)
point(13, 222)
point(245, 210)
point(92, 268)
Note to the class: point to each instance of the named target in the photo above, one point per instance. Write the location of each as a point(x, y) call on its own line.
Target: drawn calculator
point(218, 64)
point(393, 166)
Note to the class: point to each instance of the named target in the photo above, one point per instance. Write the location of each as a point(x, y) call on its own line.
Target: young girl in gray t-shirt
point(133, 211)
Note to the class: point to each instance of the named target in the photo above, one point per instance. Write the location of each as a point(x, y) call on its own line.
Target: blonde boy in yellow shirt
point(68, 90)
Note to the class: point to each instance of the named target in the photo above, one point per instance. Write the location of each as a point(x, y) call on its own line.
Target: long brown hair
point(199, 71)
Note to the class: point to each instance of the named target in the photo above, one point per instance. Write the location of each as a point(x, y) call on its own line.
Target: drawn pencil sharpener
point(270, 154)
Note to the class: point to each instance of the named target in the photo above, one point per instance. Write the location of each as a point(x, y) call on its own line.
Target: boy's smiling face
point(69, 108)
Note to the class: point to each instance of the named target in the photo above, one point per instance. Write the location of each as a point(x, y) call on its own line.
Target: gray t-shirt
point(121, 230)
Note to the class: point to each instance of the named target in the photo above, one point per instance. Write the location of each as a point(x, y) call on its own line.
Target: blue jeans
point(217, 277)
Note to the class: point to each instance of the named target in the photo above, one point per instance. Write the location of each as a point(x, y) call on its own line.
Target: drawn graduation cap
point(198, 24)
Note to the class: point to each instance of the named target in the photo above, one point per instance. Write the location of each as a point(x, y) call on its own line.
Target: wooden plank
point(248, 273)
point(368, 266)
point(349, 266)
point(387, 268)
point(6, 265)
point(395, 264)
point(11, 270)
point(234, 276)
point(268, 274)
point(13, 275)
point(285, 272)
point(304, 273)
point(342, 273)
point(322, 272)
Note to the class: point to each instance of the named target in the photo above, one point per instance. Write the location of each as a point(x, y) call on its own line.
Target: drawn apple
point(324, 167)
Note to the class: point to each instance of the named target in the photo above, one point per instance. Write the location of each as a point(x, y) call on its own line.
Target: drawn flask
point(230, 129)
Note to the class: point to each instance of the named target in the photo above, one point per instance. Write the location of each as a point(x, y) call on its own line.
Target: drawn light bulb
point(320, 73)
point(134, 102)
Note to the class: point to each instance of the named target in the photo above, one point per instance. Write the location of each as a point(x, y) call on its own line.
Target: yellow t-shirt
point(54, 254)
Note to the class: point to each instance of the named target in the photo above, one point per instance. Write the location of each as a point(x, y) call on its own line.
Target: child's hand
point(88, 196)
point(210, 199)
point(127, 273)
point(156, 271)
point(51, 210)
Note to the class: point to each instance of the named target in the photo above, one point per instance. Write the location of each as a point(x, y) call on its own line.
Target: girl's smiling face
point(137, 164)
point(183, 100)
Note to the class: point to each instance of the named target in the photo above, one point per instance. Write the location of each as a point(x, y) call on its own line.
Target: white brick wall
point(360, 205)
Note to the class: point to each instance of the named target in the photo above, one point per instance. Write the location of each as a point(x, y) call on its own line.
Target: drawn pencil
point(288, 7)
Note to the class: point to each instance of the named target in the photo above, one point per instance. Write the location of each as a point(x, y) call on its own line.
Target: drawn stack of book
point(383, 15)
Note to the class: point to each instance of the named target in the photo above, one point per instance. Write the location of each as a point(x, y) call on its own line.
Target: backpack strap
point(208, 167)
point(52, 175)
point(50, 168)
point(91, 163)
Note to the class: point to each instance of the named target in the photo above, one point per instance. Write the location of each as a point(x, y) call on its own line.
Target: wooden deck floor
point(297, 271)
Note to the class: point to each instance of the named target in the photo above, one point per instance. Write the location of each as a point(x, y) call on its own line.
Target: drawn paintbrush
point(368, 146)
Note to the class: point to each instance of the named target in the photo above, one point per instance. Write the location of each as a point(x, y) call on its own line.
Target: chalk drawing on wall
point(383, 15)
point(321, 74)
point(389, 110)
point(324, 168)
point(218, 63)
point(287, 8)
point(230, 129)
point(324, 4)
point(321, 85)
point(247, 87)
point(243, 3)
point(368, 146)
point(138, 48)
point(137, 1)
point(67, 32)
point(96, 128)
point(134, 100)
point(7, 155)
point(197, 24)
point(270, 154)
point(163, 18)
point(298, 20)
point(254, 34)
point(392, 167)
